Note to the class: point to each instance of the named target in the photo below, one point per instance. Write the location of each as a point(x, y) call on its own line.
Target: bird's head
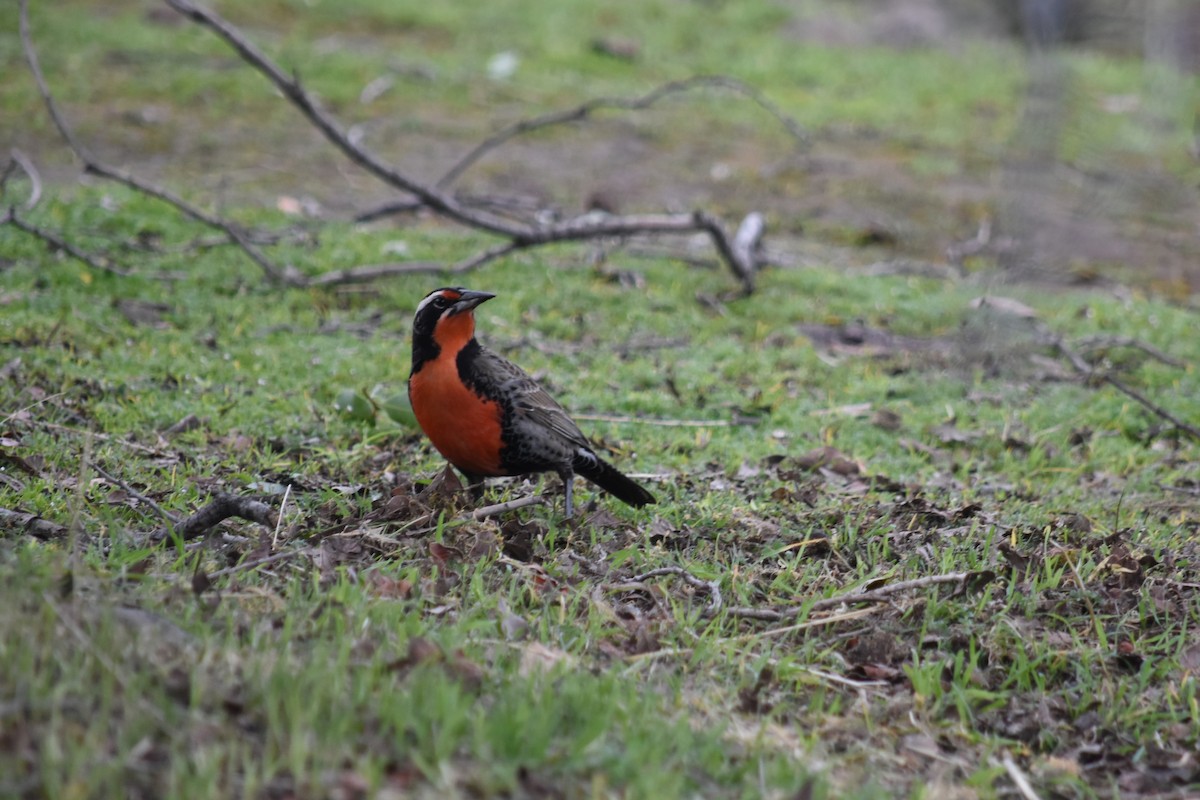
point(445, 320)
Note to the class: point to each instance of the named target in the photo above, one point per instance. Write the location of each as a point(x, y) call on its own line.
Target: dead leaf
point(143, 312)
point(949, 433)
point(829, 458)
point(886, 419)
point(387, 587)
point(465, 670)
point(1189, 659)
point(9, 370)
point(539, 658)
point(487, 544)
point(444, 555)
point(512, 626)
point(446, 489)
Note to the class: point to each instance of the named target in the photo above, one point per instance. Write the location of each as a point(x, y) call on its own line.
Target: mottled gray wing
point(528, 399)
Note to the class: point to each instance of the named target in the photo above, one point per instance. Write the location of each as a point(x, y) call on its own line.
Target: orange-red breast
point(486, 415)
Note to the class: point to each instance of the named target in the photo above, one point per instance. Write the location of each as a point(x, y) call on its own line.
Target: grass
point(403, 649)
point(298, 676)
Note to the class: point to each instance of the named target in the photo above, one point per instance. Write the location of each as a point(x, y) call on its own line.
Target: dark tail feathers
point(608, 478)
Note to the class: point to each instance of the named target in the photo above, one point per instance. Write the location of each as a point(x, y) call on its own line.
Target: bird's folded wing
point(531, 401)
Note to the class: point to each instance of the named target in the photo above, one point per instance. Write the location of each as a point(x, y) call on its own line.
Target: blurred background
point(1054, 139)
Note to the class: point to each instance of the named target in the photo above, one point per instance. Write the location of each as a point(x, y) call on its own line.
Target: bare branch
point(164, 515)
point(880, 595)
point(1019, 779)
point(388, 209)
point(588, 226)
point(884, 593)
point(30, 523)
point(589, 108)
point(1090, 372)
point(511, 505)
point(712, 587)
point(371, 272)
point(55, 242)
point(307, 104)
point(747, 242)
point(256, 563)
point(96, 167)
point(220, 508)
point(9, 169)
point(1089, 343)
point(35, 179)
point(491, 254)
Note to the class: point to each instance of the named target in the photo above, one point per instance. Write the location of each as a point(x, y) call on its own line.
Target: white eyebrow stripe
point(428, 299)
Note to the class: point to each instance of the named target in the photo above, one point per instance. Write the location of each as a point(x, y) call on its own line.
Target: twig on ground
point(287, 492)
point(881, 595)
point(166, 516)
point(220, 508)
point(511, 505)
point(712, 587)
point(31, 524)
point(1104, 342)
point(820, 622)
point(255, 564)
point(1090, 372)
point(55, 242)
point(1180, 489)
point(520, 236)
point(9, 169)
point(829, 677)
point(104, 437)
point(96, 167)
point(1018, 778)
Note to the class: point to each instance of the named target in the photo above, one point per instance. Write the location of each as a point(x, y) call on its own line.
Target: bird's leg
point(474, 486)
point(568, 479)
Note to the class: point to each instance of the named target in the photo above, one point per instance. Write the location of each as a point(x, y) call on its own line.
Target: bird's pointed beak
point(469, 300)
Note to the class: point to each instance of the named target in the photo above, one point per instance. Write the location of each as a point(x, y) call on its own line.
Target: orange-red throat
point(464, 426)
point(453, 332)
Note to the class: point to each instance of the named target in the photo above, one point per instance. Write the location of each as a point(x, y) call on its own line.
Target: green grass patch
point(836, 432)
point(517, 657)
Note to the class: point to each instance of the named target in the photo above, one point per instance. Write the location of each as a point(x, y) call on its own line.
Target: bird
point(486, 415)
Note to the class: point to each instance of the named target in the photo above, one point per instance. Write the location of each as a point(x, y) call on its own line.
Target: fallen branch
point(255, 564)
point(55, 242)
point(881, 595)
point(220, 508)
point(31, 524)
point(164, 515)
point(519, 235)
point(1089, 343)
point(511, 505)
point(1090, 373)
point(712, 587)
point(585, 110)
point(1024, 787)
point(94, 166)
